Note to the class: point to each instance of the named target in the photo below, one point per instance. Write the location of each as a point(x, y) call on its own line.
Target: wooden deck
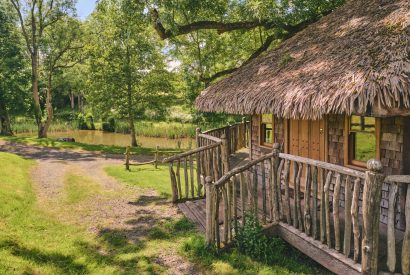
point(194, 210)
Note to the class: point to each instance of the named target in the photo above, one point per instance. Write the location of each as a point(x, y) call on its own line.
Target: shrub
point(252, 242)
point(90, 121)
point(109, 125)
point(81, 122)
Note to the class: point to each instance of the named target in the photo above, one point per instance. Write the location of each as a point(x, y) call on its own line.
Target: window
point(266, 129)
point(362, 140)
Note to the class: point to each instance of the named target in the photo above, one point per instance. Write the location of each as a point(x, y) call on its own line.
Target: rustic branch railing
point(312, 205)
point(236, 134)
point(395, 182)
point(210, 158)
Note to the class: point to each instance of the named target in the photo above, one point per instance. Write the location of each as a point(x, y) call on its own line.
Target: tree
point(59, 52)
point(125, 63)
point(13, 70)
point(36, 17)
point(215, 38)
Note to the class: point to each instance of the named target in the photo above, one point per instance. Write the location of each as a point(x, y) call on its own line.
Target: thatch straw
point(355, 58)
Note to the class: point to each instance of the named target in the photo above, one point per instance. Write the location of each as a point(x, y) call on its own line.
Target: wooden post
point(275, 182)
point(244, 132)
point(225, 154)
point(371, 216)
point(156, 157)
point(198, 162)
point(209, 205)
point(127, 158)
point(173, 183)
point(405, 253)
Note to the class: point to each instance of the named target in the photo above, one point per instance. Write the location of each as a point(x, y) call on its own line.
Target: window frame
point(261, 138)
point(348, 147)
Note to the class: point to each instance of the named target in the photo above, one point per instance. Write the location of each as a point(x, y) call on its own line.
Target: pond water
point(104, 138)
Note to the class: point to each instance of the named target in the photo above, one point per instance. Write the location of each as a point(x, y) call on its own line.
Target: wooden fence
point(312, 206)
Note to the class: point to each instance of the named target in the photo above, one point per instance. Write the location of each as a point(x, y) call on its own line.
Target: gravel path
point(130, 210)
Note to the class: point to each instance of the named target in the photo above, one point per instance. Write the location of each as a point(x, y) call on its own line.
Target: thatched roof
point(356, 57)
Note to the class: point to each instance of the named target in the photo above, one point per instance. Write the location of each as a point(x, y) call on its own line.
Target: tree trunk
point(35, 91)
point(43, 129)
point(5, 127)
point(71, 95)
point(131, 116)
point(129, 100)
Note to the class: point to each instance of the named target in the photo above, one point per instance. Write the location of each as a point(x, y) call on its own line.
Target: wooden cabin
point(329, 143)
point(338, 92)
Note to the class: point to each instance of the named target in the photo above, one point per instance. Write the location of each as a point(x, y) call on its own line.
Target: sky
point(84, 8)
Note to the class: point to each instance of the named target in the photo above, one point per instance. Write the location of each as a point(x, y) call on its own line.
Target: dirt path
point(116, 207)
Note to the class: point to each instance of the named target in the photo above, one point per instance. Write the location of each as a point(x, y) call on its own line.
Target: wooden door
point(306, 139)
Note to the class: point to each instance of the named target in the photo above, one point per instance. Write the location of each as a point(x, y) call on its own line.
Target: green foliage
point(89, 119)
point(253, 242)
point(81, 122)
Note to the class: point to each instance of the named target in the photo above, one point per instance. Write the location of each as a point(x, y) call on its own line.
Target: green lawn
point(34, 241)
point(145, 176)
point(109, 149)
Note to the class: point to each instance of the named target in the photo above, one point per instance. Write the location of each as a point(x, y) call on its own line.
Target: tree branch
point(208, 25)
point(16, 5)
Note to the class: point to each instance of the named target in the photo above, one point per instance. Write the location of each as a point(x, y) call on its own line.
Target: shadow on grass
point(66, 264)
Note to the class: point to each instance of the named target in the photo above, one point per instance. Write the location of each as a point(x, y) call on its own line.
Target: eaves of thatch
point(355, 60)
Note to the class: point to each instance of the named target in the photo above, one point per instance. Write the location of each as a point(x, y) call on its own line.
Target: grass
point(32, 241)
point(144, 176)
point(109, 149)
point(78, 188)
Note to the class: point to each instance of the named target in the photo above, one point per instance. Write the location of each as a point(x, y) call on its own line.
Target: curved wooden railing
point(237, 135)
point(210, 158)
point(313, 205)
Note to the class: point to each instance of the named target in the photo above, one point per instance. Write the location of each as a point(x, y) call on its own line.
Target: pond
point(104, 138)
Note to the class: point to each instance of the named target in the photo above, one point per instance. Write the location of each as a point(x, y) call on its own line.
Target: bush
point(109, 125)
point(90, 121)
point(252, 242)
point(81, 122)
point(66, 115)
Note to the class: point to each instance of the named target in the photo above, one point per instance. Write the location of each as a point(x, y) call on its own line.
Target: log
point(298, 203)
point(287, 198)
point(209, 204)
point(314, 195)
point(405, 253)
point(264, 197)
point(371, 216)
point(322, 207)
point(336, 221)
point(391, 238)
point(348, 217)
point(275, 182)
point(355, 219)
point(191, 172)
point(243, 195)
point(295, 208)
point(217, 230)
point(235, 204)
point(173, 183)
point(179, 179)
point(226, 214)
point(327, 210)
point(198, 162)
point(281, 212)
point(186, 178)
point(255, 191)
point(307, 215)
